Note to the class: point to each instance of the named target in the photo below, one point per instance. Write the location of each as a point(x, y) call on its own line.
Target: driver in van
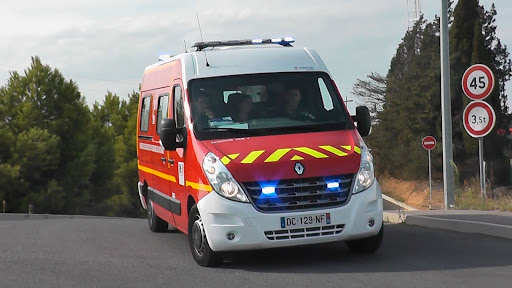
point(202, 105)
point(201, 109)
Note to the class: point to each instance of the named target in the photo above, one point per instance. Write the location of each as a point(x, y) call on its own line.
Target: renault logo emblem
point(299, 168)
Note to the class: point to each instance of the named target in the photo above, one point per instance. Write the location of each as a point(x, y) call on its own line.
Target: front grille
point(300, 194)
point(319, 231)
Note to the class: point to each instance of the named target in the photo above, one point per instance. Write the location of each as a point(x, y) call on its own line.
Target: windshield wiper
point(226, 129)
point(305, 127)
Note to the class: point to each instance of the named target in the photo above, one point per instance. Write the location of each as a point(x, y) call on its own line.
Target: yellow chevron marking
point(157, 173)
point(334, 150)
point(278, 154)
point(357, 150)
point(233, 156)
point(311, 152)
point(297, 158)
point(199, 186)
point(225, 160)
point(252, 156)
point(349, 148)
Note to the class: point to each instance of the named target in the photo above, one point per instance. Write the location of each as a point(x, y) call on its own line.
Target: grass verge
point(470, 198)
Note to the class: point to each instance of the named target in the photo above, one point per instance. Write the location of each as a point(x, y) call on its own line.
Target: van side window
point(326, 96)
point(144, 113)
point(163, 104)
point(179, 115)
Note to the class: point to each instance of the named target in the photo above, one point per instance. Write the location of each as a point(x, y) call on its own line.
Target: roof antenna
point(201, 32)
point(185, 43)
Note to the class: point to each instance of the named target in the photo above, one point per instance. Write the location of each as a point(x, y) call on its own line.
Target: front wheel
point(198, 243)
point(367, 245)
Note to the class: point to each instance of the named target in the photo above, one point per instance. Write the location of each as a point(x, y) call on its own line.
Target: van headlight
point(221, 180)
point(366, 174)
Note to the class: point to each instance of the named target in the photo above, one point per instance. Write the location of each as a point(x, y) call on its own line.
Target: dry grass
point(469, 197)
point(413, 193)
point(416, 194)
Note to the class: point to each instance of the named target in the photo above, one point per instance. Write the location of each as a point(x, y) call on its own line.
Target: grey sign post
point(446, 108)
point(429, 143)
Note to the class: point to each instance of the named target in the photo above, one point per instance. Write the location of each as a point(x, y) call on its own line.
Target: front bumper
point(221, 216)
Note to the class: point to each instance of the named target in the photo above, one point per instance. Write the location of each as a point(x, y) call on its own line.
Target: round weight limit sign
point(479, 119)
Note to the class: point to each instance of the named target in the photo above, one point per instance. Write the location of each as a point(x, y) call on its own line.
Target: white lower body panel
point(253, 229)
point(142, 200)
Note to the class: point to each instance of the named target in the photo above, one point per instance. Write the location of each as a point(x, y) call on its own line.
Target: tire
point(156, 224)
point(367, 245)
point(199, 246)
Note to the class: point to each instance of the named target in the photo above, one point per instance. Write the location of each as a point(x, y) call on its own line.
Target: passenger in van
point(240, 106)
point(292, 99)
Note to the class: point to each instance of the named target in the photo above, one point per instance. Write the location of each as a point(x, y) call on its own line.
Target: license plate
point(306, 220)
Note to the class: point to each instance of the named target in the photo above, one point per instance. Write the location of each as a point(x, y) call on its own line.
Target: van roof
point(237, 60)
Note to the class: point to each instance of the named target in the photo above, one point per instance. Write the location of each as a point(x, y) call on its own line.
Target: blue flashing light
point(268, 190)
point(257, 41)
point(333, 185)
point(276, 40)
point(289, 39)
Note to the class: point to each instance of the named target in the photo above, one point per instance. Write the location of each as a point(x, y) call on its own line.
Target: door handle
point(171, 161)
point(163, 159)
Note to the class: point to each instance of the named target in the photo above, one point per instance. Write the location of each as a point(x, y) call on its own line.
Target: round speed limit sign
point(478, 82)
point(479, 119)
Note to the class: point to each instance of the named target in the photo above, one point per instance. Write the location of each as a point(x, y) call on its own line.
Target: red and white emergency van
point(247, 144)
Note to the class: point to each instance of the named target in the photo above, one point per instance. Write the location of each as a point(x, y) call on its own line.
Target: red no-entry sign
point(478, 82)
point(479, 118)
point(429, 142)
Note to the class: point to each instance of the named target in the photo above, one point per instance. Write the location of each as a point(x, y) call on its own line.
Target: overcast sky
point(105, 45)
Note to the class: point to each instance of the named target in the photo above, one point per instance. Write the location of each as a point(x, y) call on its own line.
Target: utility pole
point(446, 109)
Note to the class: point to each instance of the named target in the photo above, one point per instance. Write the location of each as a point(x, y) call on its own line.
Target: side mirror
point(363, 120)
point(168, 133)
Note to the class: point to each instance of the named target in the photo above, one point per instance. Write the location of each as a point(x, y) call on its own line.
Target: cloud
point(106, 44)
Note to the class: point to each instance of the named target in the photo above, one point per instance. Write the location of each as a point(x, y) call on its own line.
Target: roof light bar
point(211, 44)
point(164, 57)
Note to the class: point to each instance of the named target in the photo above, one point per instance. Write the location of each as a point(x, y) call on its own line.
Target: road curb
point(463, 226)
point(398, 203)
point(396, 217)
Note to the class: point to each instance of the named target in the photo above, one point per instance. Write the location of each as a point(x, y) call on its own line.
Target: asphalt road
point(103, 252)
point(493, 219)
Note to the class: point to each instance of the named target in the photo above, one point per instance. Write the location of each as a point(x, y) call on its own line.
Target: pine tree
point(412, 95)
point(47, 114)
point(473, 40)
point(410, 104)
point(115, 175)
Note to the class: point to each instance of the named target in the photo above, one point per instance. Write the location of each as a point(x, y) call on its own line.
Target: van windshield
point(265, 104)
